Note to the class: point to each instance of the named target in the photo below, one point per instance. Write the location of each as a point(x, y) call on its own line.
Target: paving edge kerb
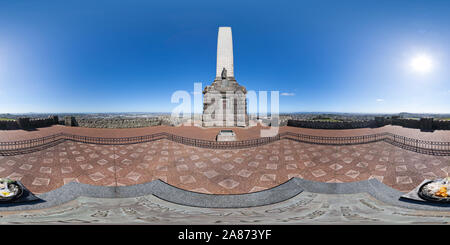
point(167, 192)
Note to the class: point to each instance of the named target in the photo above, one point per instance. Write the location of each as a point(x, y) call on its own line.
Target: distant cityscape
point(334, 116)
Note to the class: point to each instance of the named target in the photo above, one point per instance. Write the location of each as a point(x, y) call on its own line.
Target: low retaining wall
point(425, 124)
point(331, 125)
point(422, 123)
point(407, 123)
point(27, 123)
point(117, 122)
point(441, 124)
point(43, 122)
point(9, 124)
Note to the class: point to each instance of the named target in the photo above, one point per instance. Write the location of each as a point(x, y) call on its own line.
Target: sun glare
point(422, 64)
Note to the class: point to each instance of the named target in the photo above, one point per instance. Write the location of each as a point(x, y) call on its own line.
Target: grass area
point(6, 119)
point(444, 119)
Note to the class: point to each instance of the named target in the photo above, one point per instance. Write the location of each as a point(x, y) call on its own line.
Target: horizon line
point(297, 112)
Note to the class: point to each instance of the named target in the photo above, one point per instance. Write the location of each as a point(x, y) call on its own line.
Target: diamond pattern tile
point(220, 171)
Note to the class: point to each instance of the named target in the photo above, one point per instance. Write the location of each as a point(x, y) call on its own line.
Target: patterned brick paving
point(220, 171)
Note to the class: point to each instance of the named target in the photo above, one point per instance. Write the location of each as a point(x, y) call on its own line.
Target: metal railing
point(422, 146)
point(329, 140)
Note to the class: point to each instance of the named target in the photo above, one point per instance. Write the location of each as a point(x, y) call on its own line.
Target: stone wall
point(42, 122)
point(8, 125)
point(124, 122)
point(331, 125)
point(441, 124)
point(424, 124)
point(27, 123)
point(405, 122)
point(117, 122)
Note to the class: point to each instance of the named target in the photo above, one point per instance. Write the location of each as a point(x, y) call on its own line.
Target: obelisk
point(224, 102)
point(224, 52)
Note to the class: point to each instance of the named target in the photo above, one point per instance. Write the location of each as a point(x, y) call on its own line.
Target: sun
point(422, 63)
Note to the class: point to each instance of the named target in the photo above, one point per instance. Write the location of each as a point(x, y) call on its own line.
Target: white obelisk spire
point(225, 52)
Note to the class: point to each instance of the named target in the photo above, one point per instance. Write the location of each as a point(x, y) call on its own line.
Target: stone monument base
point(226, 135)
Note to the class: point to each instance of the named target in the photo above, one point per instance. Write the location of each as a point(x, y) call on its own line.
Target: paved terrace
point(219, 171)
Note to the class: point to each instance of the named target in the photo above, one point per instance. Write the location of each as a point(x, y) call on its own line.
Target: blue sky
point(130, 56)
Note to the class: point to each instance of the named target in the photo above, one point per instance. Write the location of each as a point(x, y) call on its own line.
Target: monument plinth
point(224, 102)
